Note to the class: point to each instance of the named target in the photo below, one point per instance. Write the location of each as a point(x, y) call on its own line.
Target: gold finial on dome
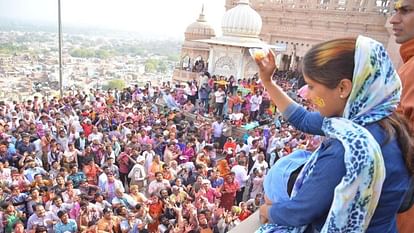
point(201, 17)
point(200, 29)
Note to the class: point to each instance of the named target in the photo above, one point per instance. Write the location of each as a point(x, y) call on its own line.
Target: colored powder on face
point(398, 4)
point(318, 101)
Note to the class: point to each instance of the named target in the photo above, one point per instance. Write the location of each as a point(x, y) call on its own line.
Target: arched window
point(198, 64)
point(185, 63)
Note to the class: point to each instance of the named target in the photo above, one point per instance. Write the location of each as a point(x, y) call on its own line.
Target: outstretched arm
point(303, 120)
point(267, 67)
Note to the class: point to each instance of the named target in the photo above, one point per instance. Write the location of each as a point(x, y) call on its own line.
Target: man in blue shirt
point(170, 101)
point(76, 176)
point(216, 180)
point(31, 170)
point(25, 145)
point(65, 224)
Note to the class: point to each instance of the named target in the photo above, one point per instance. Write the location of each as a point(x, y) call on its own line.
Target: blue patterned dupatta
point(375, 95)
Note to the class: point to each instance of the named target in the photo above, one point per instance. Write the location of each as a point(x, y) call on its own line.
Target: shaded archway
point(185, 63)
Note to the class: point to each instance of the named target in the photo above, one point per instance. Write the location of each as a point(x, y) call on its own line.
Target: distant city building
point(88, 62)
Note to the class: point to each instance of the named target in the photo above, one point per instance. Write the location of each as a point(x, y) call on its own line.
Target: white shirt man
point(158, 184)
point(240, 172)
point(220, 96)
point(137, 173)
point(244, 147)
point(149, 156)
point(255, 102)
point(5, 174)
point(217, 128)
point(58, 205)
point(103, 178)
point(95, 136)
point(110, 186)
point(260, 164)
point(68, 197)
point(124, 199)
point(42, 218)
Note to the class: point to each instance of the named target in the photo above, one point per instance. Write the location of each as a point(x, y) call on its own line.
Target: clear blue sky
point(169, 17)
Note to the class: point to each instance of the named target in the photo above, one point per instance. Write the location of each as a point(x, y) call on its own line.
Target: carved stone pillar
point(293, 63)
point(371, 6)
point(388, 5)
point(350, 5)
point(333, 4)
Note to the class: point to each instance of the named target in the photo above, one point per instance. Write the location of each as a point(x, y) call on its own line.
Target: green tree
point(174, 57)
point(10, 48)
point(151, 65)
point(102, 54)
point(116, 83)
point(162, 67)
point(82, 52)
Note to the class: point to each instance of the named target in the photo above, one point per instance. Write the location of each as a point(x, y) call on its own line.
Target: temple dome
point(199, 29)
point(241, 21)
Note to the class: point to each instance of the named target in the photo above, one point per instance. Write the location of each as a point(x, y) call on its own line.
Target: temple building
point(194, 54)
point(296, 25)
point(291, 27)
point(223, 55)
point(229, 53)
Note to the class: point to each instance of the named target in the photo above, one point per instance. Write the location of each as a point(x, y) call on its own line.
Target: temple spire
point(202, 17)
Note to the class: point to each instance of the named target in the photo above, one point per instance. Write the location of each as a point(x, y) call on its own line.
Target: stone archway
point(279, 61)
point(225, 66)
point(186, 62)
point(250, 69)
point(198, 64)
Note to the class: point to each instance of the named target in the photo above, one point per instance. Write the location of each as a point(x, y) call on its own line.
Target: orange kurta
point(91, 173)
point(405, 221)
point(155, 211)
point(223, 167)
point(406, 73)
point(229, 194)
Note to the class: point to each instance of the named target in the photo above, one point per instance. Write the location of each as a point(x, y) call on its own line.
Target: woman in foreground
point(356, 180)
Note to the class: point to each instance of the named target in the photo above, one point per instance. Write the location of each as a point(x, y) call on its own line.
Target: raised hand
point(188, 227)
point(176, 229)
point(177, 209)
point(267, 66)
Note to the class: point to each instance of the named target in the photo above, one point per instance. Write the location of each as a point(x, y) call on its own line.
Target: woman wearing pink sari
point(228, 192)
point(246, 107)
point(188, 153)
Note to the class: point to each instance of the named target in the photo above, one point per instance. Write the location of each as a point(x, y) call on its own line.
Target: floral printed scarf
point(375, 95)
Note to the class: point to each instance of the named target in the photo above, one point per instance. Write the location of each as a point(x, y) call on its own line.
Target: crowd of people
point(243, 100)
point(131, 161)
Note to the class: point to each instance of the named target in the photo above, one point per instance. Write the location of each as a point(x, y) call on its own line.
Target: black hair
point(60, 213)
